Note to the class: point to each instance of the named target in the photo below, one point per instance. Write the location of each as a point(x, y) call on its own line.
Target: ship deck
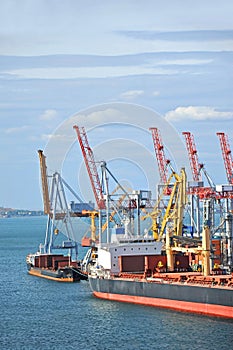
point(190, 278)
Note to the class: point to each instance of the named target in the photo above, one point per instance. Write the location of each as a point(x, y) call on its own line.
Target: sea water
point(36, 313)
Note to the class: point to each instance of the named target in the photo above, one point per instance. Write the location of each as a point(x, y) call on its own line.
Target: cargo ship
point(169, 266)
point(56, 267)
point(137, 272)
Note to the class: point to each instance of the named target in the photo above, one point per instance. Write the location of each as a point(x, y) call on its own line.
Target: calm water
point(41, 314)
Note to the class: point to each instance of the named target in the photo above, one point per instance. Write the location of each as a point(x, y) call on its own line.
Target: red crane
point(202, 192)
point(90, 165)
point(193, 157)
point(227, 156)
point(159, 152)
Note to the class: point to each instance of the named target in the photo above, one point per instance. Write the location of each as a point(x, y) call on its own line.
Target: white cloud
point(197, 113)
point(88, 72)
point(183, 62)
point(132, 94)
point(49, 114)
point(156, 93)
point(17, 130)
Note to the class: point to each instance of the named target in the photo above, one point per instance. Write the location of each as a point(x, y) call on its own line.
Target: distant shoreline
point(9, 212)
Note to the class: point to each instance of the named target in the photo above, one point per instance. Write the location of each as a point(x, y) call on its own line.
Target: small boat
point(56, 267)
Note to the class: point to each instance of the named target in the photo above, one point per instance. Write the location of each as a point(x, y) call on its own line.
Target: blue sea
point(42, 314)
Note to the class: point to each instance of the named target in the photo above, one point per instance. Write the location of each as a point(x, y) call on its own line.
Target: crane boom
point(193, 157)
point(44, 180)
point(227, 155)
point(90, 165)
point(201, 191)
point(159, 152)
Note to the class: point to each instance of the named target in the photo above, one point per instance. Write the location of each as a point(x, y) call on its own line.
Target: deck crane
point(176, 204)
point(90, 165)
point(172, 221)
point(86, 241)
point(227, 155)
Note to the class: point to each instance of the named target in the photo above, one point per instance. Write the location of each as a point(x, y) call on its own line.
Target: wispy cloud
point(132, 94)
point(89, 72)
point(181, 62)
point(199, 113)
point(189, 35)
point(17, 130)
point(49, 114)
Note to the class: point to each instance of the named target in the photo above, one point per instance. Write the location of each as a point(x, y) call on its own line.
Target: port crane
point(193, 157)
point(176, 204)
point(173, 188)
point(104, 199)
point(227, 192)
point(44, 182)
point(160, 155)
point(227, 155)
point(90, 166)
point(57, 210)
point(196, 188)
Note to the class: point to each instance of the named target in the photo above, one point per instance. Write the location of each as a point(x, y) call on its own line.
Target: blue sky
point(58, 58)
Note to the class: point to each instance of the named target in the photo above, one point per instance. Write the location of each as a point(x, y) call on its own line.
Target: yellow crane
point(176, 204)
point(88, 241)
point(174, 208)
point(44, 181)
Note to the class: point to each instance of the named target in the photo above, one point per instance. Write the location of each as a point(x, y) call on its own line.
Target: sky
point(70, 62)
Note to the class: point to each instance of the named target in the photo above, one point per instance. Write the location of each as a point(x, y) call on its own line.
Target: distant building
point(78, 207)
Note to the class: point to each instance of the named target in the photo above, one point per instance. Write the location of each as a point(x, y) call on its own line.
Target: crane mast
point(227, 155)
point(90, 165)
point(44, 181)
